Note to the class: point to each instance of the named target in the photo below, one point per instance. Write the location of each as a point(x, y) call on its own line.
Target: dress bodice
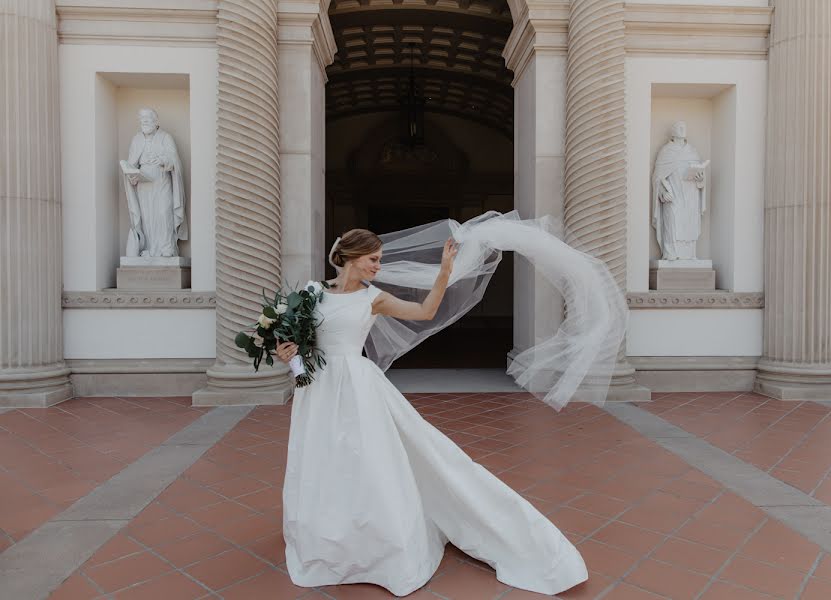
point(345, 321)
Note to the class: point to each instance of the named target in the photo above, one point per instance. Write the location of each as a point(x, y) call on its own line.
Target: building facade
point(287, 116)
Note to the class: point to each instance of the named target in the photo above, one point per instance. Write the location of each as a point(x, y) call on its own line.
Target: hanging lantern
point(413, 109)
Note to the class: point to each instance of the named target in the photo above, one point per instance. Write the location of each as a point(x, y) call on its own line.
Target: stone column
point(595, 161)
point(536, 53)
point(32, 371)
point(248, 209)
point(305, 47)
point(796, 361)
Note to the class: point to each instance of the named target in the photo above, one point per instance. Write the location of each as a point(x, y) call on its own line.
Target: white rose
point(265, 322)
point(281, 308)
point(315, 285)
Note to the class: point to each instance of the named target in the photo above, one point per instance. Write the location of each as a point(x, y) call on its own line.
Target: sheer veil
point(575, 361)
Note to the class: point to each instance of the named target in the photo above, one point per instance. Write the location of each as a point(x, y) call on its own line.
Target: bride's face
point(366, 267)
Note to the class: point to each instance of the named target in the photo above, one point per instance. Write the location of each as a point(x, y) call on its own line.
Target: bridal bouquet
point(288, 318)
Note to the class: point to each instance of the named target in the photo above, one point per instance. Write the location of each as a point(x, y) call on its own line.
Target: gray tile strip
point(794, 508)
point(37, 564)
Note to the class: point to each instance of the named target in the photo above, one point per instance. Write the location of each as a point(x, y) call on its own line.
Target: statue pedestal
point(153, 273)
point(681, 275)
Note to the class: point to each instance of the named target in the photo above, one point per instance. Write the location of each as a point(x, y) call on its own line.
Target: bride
point(372, 491)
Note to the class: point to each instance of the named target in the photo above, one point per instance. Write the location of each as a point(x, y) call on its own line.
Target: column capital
point(541, 26)
point(306, 23)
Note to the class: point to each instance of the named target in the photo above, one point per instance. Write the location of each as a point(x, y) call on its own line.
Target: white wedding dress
point(373, 492)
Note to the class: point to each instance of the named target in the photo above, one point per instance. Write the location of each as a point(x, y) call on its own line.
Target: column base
point(624, 388)
point(231, 385)
point(788, 381)
point(621, 388)
point(35, 388)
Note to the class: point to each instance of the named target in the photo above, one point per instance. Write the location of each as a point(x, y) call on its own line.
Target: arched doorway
point(419, 127)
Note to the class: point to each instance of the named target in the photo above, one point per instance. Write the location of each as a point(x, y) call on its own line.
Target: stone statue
point(155, 188)
point(678, 197)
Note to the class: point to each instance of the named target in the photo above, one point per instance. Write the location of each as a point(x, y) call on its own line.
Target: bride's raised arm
point(389, 305)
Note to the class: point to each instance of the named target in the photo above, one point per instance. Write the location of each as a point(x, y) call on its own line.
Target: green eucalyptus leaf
point(242, 340)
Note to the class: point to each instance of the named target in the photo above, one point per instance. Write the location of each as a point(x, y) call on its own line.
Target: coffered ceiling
point(454, 48)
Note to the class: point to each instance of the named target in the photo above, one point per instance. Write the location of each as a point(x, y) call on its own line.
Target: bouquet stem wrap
point(296, 366)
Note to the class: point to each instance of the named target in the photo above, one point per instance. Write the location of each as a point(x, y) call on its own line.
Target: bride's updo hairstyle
point(354, 244)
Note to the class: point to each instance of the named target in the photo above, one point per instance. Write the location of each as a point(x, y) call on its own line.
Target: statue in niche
point(155, 186)
point(678, 196)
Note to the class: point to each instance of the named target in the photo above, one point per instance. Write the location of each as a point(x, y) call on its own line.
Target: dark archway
point(460, 162)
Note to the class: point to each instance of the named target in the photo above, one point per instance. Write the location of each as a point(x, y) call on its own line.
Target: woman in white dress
point(372, 491)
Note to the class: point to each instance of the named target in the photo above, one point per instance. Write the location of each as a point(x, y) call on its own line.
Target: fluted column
point(797, 325)
point(248, 209)
point(32, 371)
point(595, 165)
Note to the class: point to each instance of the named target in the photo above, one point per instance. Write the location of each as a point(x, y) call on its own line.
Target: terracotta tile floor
point(50, 458)
point(789, 440)
point(648, 524)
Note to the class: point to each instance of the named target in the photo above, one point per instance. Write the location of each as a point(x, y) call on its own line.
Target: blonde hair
point(354, 244)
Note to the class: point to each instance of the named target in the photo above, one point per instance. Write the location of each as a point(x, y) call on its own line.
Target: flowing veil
point(576, 360)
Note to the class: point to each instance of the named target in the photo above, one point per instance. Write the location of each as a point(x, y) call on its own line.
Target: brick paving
point(648, 524)
point(51, 457)
point(789, 440)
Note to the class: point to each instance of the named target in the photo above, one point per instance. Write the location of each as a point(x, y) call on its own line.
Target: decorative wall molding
point(306, 22)
point(175, 377)
point(694, 363)
point(89, 366)
point(681, 300)
point(651, 30)
point(669, 374)
point(542, 27)
point(697, 31)
point(123, 300)
point(156, 23)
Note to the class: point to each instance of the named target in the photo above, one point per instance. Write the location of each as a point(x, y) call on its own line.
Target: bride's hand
point(286, 351)
point(451, 249)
